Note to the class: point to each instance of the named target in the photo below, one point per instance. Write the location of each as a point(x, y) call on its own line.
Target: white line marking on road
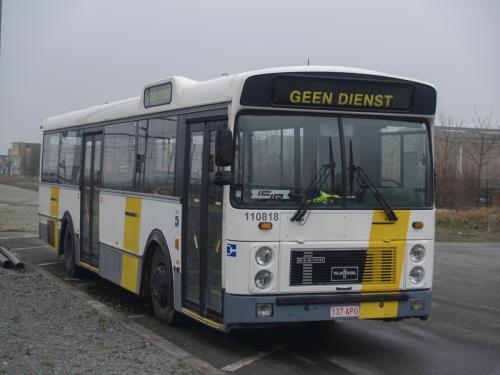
point(249, 360)
point(49, 264)
point(306, 360)
point(352, 366)
point(472, 306)
point(30, 247)
point(244, 362)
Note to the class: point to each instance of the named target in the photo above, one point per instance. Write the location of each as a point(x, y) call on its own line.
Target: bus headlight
point(417, 275)
point(263, 279)
point(417, 253)
point(263, 256)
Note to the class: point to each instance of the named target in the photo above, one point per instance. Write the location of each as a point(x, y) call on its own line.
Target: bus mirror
point(223, 178)
point(224, 150)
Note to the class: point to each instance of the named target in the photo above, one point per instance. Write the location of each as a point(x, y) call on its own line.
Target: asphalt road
point(462, 335)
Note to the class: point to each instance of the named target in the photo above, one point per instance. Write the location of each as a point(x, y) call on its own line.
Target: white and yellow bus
point(274, 196)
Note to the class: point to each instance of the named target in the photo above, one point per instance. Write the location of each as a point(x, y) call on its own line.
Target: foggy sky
point(63, 55)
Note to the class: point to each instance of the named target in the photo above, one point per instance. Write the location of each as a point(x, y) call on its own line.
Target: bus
point(282, 195)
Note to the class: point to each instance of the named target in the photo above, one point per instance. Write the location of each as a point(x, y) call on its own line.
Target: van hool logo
point(344, 273)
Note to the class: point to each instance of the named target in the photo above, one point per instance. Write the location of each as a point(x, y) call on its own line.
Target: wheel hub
point(159, 284)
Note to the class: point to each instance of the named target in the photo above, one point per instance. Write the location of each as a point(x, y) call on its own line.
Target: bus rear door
point(91, 183)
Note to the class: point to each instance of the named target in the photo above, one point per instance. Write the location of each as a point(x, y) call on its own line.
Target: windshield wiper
point(356, 172)
point(326, 170)
point(318, 180)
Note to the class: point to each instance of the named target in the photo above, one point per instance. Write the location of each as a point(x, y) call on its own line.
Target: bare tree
point(447, 159)
point(447, 141)
point(481, 147)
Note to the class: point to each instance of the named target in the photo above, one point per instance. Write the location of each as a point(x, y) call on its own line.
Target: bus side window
point(119, 156)
point(159, 155)
point(50, 157)
point(69, 157)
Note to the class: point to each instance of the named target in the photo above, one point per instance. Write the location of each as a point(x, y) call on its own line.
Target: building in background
point(24, 159)
point(4, 165)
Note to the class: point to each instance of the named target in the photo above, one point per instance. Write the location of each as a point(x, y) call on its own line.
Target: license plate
point(344, 311)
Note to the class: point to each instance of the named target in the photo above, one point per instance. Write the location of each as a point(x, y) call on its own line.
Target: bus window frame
point(184, 115)
point(339, 115)
point(61, 131)
point(51, 132)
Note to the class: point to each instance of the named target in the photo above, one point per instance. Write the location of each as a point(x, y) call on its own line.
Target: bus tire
point(161, 287)
point(70, 266)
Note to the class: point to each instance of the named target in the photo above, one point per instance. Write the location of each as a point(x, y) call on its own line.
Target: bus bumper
point(242, 310)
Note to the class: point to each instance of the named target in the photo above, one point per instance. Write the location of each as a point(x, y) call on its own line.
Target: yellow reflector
point(177, 243)
point(417, 224)
point(265, 225)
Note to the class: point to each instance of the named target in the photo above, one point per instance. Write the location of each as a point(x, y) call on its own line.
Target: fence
point(461, 193)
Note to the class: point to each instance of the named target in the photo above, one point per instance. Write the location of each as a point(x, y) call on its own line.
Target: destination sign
point(341, 93)
point(158, 95)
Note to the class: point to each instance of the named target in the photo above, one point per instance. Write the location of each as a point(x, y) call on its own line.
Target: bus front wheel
point(162, 288)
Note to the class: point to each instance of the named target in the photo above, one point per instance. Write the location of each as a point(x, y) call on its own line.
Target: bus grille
point(380, 266)
point(323, 267)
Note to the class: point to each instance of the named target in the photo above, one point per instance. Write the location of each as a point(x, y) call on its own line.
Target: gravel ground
point(18, 209)
point(46, 330)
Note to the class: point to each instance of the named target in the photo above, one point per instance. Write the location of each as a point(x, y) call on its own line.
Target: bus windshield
point(284, 160)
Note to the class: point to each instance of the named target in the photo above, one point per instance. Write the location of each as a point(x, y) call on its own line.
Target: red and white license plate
point(344, 311)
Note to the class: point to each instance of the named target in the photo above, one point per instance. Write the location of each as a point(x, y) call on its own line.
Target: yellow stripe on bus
point(88, 267)
point(198, 317)
point(385, 235)
point(373, 310)
point(130, 272)
point(54, 213)
point(131, 233)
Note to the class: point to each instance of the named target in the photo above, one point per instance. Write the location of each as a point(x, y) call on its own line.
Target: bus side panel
point(118, 263)
point(165, 216)
point(111, 219)
point(53, 202)
point(45, 221)
point(69, 201)
point(125, 223)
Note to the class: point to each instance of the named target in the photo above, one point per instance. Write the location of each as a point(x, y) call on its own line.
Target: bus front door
point(202, 281)
point(91, 183)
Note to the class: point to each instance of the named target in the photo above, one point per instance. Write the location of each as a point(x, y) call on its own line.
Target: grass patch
point(30, 183)
point(466, 226)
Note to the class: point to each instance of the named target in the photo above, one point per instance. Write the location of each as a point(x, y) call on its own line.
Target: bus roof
point(187, 93)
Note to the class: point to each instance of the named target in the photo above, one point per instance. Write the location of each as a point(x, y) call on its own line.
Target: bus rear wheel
point(70, 266)
point(162, 288)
